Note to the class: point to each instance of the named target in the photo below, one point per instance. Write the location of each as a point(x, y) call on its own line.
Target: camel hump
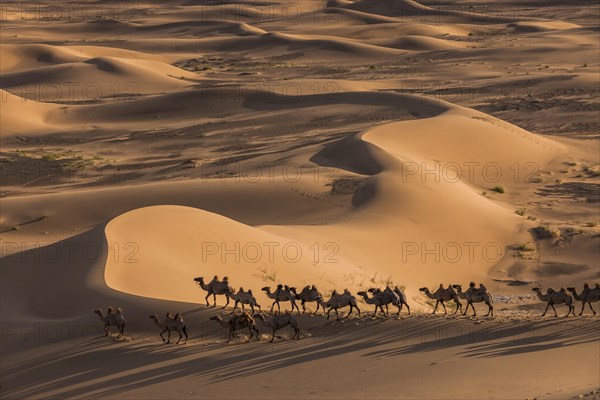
point(119, 310)
point(249, 291)
point(482, 288)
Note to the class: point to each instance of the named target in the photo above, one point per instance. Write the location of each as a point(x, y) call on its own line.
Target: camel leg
point(106, 330)
point(437, 302)
point(317, 310)
point(336, 314)
point(358, 310)
point(273, 336)
point(408, 308)
point(547, 306)
point(206, 298)
point(273, 305)
point(582, 307)
point(474, 312)
point(571, 310)
point(303, 307)
point(555, 314)
point(399, 309)
point(122, 330)
point(591, 308)
point(349, 312)
point(227, 302)
point(459, 306)
point(252, 308)
point(255, 329)
point(235, 306)
point(328, 311)
point(444, 306)
point(180, 336)
point(490, 309)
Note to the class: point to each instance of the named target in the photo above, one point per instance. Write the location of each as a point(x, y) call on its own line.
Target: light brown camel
point(112, 318)
point(475, 295)
point(587, 296)
point(553, 297)
point(282, 293)
point(441, 295)
point(337, 301)
point(309, 294)
point(243, 298)
point(279, 321)
point(238, 322)
point(214, 288)
point(171, 324)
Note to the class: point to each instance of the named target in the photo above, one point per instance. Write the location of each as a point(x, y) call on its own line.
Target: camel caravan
point(380, 299)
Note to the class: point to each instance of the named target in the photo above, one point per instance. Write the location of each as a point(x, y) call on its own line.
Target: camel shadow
point(101, 367)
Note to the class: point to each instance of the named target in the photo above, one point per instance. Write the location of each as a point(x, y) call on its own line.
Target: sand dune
point(96, 78)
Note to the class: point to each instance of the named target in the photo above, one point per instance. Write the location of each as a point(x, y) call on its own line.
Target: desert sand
point(342, 144)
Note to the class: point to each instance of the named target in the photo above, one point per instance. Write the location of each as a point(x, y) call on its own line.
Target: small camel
point(171, 324)
point(553, 297)
point(282, 293)
point(214, 288)
point(112, 318)
point(279, 321)
point(243, 298)
point(587, 296)
point(380, 299)
point(441, 295)
point(309, 294)
point(337, 301)
point(238, 322)
point(475, 295)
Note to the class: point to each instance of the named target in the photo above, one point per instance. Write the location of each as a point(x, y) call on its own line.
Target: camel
point(475, 295)
point(588, 296)
point(215, 287)
point(553, 297)
point(244, 298)
point(238, 322)
point(308, 295)
point(400, 299)
point(337, 301)
point(171, 323)
point(279, 321)
point(441, 295)
point(282, 293)
point(380, 299)
point(112, 318)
